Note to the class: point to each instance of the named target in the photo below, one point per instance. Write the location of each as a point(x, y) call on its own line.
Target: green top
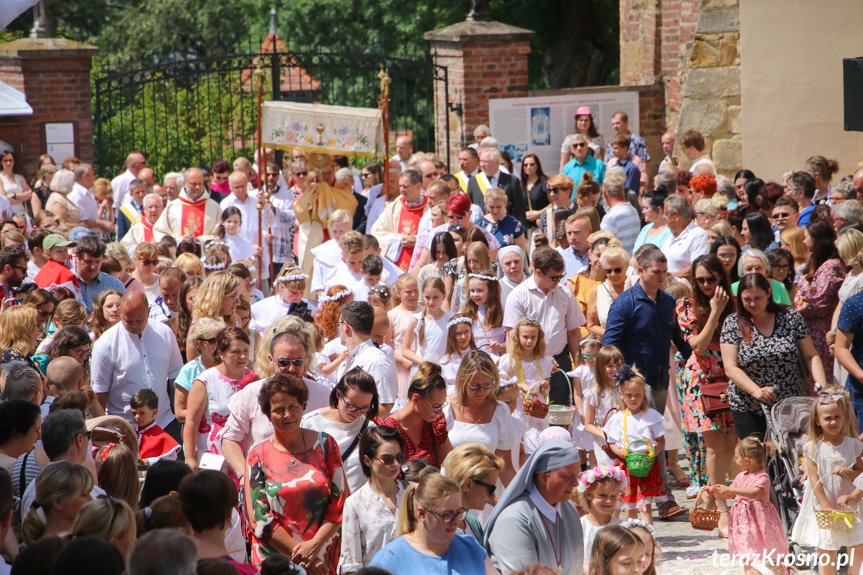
point(780, 294)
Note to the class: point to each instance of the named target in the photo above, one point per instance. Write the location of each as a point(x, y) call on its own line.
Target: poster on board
point(539, 124)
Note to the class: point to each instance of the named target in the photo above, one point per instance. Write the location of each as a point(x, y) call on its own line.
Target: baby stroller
point(787, 431)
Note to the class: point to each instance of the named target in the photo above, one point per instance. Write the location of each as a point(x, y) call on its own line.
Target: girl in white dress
point(832, 460)
point(510, 395)
point(459, 341)
point(240, 248)
point(582, 378)
point(598, 492)
point(483, 307)
point(407, 294)
point(427, 331)
point(527, 363)
point(290, 287)
point(602, 397)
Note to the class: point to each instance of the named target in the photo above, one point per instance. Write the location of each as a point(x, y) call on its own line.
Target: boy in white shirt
point(350, 271)
point(373, 267)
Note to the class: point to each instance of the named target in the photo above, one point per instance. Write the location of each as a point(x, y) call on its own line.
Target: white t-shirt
point(344, 434)
point(685, 248)
point(641, 426)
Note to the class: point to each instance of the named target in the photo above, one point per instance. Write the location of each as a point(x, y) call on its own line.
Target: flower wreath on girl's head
point(590, 476)
point(630, 523)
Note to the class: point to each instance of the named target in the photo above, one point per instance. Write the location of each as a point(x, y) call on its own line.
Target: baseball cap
point(55, 241)
point(583, 111)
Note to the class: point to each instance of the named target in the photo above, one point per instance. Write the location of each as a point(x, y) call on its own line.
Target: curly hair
point(328, 313)
point(208, 300)
point(98, 323)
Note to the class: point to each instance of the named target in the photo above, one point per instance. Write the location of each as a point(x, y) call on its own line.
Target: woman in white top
point(146, 260)
point(15, 188)
point(474, 416)
point(476, 470)
point(427, 330)
point(370, 513)
point(211, 393)
point(353, 405)
point(614, 261)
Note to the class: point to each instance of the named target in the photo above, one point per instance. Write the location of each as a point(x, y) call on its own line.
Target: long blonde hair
point(432, 490)
point(58, 481)
point(101, 518)
point(208, 300)
point(476, 361)
point(513, 346)
point(17, 325)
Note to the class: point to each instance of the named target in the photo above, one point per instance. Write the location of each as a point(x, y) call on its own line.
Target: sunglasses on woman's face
point(388, 459)
point(478, 386)
point(707, 281)
point(149, 262)
point(612, 270)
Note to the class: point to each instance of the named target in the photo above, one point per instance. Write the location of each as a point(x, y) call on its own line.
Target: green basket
point(640, 464)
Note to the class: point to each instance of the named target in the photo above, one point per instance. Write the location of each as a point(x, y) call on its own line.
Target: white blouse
point(495, 435)
point(435, 334)
point(367, 525)
point(344, 434)
point(641, 426)
point(483, 335)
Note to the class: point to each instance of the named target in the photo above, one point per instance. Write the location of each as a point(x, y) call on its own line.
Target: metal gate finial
point(273, 21)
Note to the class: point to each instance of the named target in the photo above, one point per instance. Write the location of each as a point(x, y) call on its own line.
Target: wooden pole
point(259, 72)
point(384, 103)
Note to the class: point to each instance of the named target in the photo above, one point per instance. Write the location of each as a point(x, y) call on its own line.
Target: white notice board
point(538, 125)
point(60, 140)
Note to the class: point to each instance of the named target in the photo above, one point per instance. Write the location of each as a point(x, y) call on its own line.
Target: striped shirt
point(102, 282)
point(622, 220)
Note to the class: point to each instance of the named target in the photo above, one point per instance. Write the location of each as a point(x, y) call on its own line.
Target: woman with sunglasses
point(207, 410)
point(369, 519)
point(476, 470)
point(428, 541)
point(614, 261)
point(559, 195)
point(295, 486)
point(146, 260)
point(45, 303)
point(475, 416)
point(421, 422)
point(701, 318)
point(203, 338)
point(353, 406)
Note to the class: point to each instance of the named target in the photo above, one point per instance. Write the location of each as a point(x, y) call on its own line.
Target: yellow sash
point(482, 182)
point(131, 214)
point(462, 181)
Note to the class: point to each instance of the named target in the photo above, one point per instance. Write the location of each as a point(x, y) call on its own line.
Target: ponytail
point(429, 492)
point(408, 513)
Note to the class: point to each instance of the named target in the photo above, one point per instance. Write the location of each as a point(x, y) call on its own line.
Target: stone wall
point(711, 96)
point(655, 40)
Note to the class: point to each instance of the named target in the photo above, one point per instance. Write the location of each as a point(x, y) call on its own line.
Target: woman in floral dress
point(505, 228)
point(818, 290)
point(700, 318)
point(295, 487)
point(211, 393)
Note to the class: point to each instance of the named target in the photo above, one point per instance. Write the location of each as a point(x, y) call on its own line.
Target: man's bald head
point(193, 182)
point(134, 312)
point(135, 161)
point(239, 182)
point(64, 374)
point(148, 176)
point(381, 326)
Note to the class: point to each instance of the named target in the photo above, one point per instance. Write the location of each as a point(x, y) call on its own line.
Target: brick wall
point(55, 77)
point(483, 60)
point(655, 41)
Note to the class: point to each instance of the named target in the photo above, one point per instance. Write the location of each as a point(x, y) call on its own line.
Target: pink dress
point(815, 300)
point(755, 524)
point(400, 319)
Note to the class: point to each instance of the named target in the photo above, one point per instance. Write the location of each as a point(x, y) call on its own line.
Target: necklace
point(285, 447)
point(476, 420)
point(557, 556)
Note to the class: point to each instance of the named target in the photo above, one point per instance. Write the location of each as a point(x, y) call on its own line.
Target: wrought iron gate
point(184, 113)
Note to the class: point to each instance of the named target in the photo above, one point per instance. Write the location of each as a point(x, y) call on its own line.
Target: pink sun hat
point(583, 111)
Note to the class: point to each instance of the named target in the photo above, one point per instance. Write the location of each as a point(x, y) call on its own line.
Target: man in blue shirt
point(642, 324)
point(849, 349)
point(620, 149)
point(801, 188)
point(581, 163)
point(90, 251)
point(637, 145)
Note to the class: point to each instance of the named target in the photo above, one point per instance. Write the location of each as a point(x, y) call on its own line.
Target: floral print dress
point(295, 494)
point(699, 370)
point(816, 299)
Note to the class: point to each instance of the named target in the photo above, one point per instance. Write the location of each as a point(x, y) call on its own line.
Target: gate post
point(54, 75)
point(483, 60)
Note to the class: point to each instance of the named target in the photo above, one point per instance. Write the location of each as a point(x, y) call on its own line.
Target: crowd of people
point(291, 368)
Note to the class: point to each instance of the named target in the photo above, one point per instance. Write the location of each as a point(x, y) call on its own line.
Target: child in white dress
point(597, 494)
point(582, 378)
point(484, 308)
point(427, 331)
point(600, 399)
point(459, 341)
point(528, 364)
point(832, 460)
